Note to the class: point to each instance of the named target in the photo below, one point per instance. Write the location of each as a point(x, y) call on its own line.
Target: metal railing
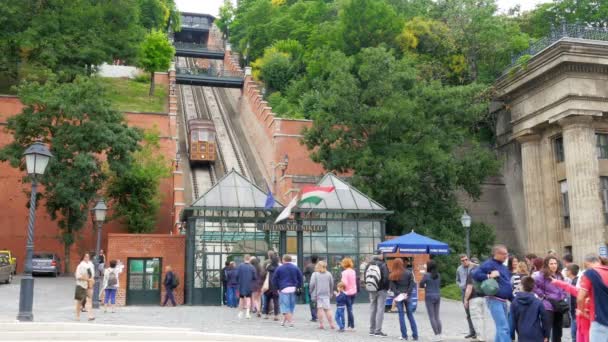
point(213, 72)
point(195, 46)
point(195, 22)
point(558, 33)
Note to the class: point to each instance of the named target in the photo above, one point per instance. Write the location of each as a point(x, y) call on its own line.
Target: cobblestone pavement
point(53, 302)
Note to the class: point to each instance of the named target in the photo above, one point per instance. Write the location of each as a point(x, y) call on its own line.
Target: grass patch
point(451, 291)
point(130, 96)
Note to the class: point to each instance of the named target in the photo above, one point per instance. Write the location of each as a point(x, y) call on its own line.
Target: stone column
point(533, 192)
point(582, 173)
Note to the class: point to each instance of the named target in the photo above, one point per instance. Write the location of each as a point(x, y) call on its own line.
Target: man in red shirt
point(596, 277)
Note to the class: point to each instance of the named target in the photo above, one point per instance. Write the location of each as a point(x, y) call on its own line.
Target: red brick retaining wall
point(171, 249)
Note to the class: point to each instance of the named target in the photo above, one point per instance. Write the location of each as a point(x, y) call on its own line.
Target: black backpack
point(174, 281)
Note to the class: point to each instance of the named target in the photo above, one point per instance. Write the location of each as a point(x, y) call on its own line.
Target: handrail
point(211, 71)
point(184, 45)
point(558, 33)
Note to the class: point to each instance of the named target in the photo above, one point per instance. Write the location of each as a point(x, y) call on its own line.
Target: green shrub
point(142, 78)
point(451, 291)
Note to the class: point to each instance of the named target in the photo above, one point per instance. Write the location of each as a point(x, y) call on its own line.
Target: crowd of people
point(533, 299)
point(529, 299)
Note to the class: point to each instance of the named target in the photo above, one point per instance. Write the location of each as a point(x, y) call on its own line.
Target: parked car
point(46, 263)
point(12, 260)
point(6, 270)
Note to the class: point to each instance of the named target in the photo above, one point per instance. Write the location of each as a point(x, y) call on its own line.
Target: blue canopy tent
point(413, 243)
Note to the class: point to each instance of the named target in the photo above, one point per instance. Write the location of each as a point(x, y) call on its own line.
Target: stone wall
point(170, 249)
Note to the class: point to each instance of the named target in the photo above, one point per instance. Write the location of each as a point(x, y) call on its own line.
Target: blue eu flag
point(269, 200)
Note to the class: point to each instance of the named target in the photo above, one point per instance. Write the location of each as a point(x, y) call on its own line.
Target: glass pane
point(136, 281)
point(376, 230)
point(365, 228)
point(319, 244)
point(306, 241)
point(334, 228)
point(212, 278)
point(152, 266)
point(349, 228)
point(292, 244)
point(152, 282)
point(364, 260)
point(136, 266)
point(366, 245)
point(343, 244)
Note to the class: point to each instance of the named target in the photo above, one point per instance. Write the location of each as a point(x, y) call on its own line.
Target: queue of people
point(534, 299)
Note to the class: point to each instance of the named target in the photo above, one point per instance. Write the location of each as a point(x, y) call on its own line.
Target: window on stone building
point(567, 250)
point(565, 205)
point(559, 149)
point(602, 146)
point(604, 194)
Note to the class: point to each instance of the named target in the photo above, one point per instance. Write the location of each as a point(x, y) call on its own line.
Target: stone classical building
point(552, 130)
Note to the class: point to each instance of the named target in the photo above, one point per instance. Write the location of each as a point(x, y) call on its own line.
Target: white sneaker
point(240, 315)
point(248, 315)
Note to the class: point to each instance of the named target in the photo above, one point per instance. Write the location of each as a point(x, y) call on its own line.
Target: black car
point(46, 263)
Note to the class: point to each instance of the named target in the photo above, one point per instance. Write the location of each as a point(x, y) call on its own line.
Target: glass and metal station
point(230, 220)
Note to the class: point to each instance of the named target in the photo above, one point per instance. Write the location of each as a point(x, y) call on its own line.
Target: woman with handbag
point(256, 287)
point(553, 297)
point(271, 294)
point(402, 285)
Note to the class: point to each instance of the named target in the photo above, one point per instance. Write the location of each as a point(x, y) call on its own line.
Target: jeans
point(555, 320)
point(271, 297)
point(433, 302)
point(340, 317)
point(231, 297)
point(287, 302)
point(598, 332)
point(573, 326)
point(468, 312)
point(498, 310)
point(407, 306)
point(169, 296)
point(377, 302)
point(110, 296)
point(312, 305)
point(477, 307)
point(349, 311)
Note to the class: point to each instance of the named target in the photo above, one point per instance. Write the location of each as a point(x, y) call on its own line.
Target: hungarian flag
point(315, 194)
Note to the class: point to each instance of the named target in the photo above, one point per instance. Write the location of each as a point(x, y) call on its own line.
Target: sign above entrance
point(291, 227)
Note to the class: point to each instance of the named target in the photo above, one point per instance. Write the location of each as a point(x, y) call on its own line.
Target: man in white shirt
point(82, 274)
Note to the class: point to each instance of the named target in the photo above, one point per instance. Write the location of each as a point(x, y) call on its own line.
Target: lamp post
point(99, 213)
point(36, 159)
point(466, 223)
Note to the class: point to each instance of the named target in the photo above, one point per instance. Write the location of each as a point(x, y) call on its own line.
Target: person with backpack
point(376, 284)
point(495, 274)
point(171, 282)
point(110, 284)
point(553, 297)
point(271, 294)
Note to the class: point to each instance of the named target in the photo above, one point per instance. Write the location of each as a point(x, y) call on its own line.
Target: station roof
point(233, 192)
point(345, 198)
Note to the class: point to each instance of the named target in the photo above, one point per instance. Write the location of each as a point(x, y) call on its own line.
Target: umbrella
point(413, 243)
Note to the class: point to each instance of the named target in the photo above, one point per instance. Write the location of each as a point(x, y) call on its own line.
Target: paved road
point(53, 303)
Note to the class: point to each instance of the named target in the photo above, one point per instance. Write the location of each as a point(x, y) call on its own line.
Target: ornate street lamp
point(466, 223)
point(99, 216)
point(36, 159)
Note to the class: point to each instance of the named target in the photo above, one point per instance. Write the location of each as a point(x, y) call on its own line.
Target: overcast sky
point(211, 6)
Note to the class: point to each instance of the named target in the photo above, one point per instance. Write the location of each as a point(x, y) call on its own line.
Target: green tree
point(136, 192)
point(83, 133)
point(159, 15)
point(66, 37)
point(402, 138)
point(155, 54)
point(367, 23)
point(226, 16)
